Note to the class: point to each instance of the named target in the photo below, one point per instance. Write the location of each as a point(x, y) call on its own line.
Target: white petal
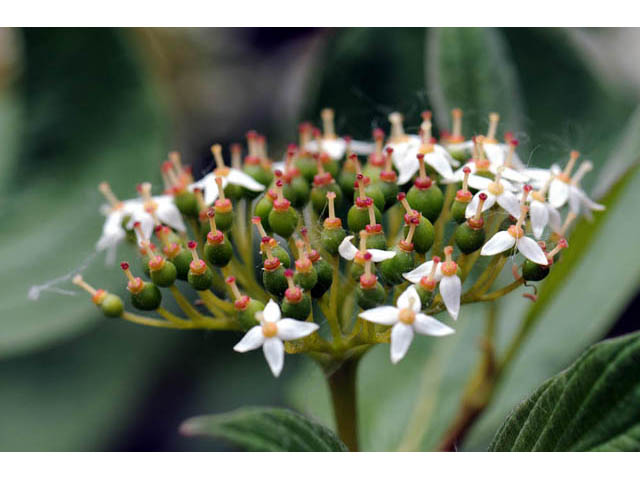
point(499, 243)
point(473, 204)
point(238, 177)
point(530, 249)
point(362, 148)
point(439, 163)
point(426, 325)
point(478, 182)
point(169, 214)
point(415, 275)
point(450, 289)
point(335, 148)
point(252, 339)
point(383, 315)
point(408, 298)
point(407, 169)
point(273, 349)
point(537, 176)
point(211, 188)
point(401, 338)
point(539, 217)
point(495, 153)
point(460, 146)
point(146, 224)
point(290, 329)
point(510, 203)
point(558, 193)
point(271, 312)
point(346, 249)
point(380, 255)
point(555, 221)
point(511, 174)
point(577, 198)
point(444, 153)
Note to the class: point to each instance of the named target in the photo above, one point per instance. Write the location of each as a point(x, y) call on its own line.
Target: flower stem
point(342, 383)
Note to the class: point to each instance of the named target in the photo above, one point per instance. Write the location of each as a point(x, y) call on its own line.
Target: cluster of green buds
point(372, 239)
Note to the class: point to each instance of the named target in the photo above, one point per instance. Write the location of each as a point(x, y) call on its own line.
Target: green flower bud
point(307, 166)
point(181, 261)
point(424, 235)
point(305, 276)
point(295, 304)
point(283, 221)
point(263, 208)
point(376, 238)
point(325, 277)
point(534, 272)
point(369, 292)
point(391, 270)
point(274, 280)
point(470, 236)
point(112, 305)
point(363, 213)
point(187, 203)
point(331, 238)
point(148, 298)
point(322, 184)
point(426, 295)
point(247, 317)
point(163, 273)
point(200, 276)
point(258, 172)
point(463, 197)
point(428, 200)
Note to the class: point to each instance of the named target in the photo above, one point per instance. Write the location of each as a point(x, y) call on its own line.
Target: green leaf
point(92, 117)
point(594, 405)
point(471, 68)
point(266, 429)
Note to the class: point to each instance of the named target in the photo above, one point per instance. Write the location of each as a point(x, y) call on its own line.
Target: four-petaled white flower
point(406, 320)
point(112, 230)
point(541, 214)
point(271, 333)
point(514, 237)
point(497, 190)
point(229, 175)
point(348, 251)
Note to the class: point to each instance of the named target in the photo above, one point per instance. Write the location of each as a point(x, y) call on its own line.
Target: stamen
point(584, 168)
point(304, 134)
point(236, 155)
point(423, 171)
point(525, 193)
point(288, 273)
point(397, 130)
point(194, 253)
point(378, 136)
point(571, 216)
point(412, 230)
point(331, 196)
point(482, 197)
point(512, 150)
point(448, 253)
point(363, 240)
point(105, 189)
point(77, 280)
point(356, 163)
point(327, 123)
point(479, 139)
point(174, 158)
point(251, 137)
point(388, 159)
point(235, 291)
point(494, 118)
point(347, 140)
point(216, 150)
point(257, 221)
point(317, 135)
point(434, 267)
point(573, 156)
point(199, 198)
point(465, 180)
point(144, 190)
point(266, 246)
point(372, 214)
point(359, 184)
point(523, 215)
point(425, 127)
point(367, 265)
point(402, 198)
point(220, 189)
point(456, 115)
point(138, 228)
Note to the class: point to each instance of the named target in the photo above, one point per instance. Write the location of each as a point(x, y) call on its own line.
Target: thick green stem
point(342, 384)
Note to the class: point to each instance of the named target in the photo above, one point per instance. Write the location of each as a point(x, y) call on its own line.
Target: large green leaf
point(471, 68)
point(266, 429)
point(593, 405)
point(92, 117)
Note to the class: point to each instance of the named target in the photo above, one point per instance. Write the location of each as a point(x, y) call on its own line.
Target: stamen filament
point(494, 118)
point(584, 168)
point(235, 291)
point(330, 199)
point(397, 130)
point(211, 213)
point(220, 189)
point(216, 150)
point(571, 216)
point(327, 123)
point(573, 156)
point(456, 128)
point(77, 280)
point(105, 189)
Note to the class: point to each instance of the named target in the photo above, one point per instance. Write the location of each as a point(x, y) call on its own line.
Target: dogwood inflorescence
point(343, 244)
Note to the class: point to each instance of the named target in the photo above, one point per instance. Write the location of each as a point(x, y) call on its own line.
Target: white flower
point(348, 251)
point(337, 147)
point(228, 175)
point(542, 213)
point(445, 273)
point(271, 333)
point(406, 320)
point(497, 153)
point(564, 188)
point(514, 236)
point(497, 190)
point(144, 210)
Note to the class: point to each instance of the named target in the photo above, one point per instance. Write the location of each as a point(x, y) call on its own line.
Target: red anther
point(347, 138)
point(124, 265)
point(360, 177)
point(356, 185)
point(197, 190)
point(527, 188)
point(316, 132)
point(266, 240)
point(353, 156)
point(514, 142)
point(157, 228)
point(378, 133)
point(367, 257)
point(304, 127)
point(288, 273)
point(466, 170)
point(136, 224)
point(426, 115)
point(433, 140)
point(542, 244)
point(166, 166)
point(139, 187)
point(563, 243)
point(279, 183)
point(435, 259)
point(251, 134)
point(292, 147)
point(303, 231)
point(401, 196)
point(368, 201)
point(211, 212)
point(230, 280)
point(482, 196)
point(508, 136)
point(420, 156)
point(415, 220)
point(236, 147)
point(278, 173)
point(256, 219)
point(192, 245)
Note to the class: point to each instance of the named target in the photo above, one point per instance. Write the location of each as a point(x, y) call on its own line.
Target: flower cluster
point(338, 230)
